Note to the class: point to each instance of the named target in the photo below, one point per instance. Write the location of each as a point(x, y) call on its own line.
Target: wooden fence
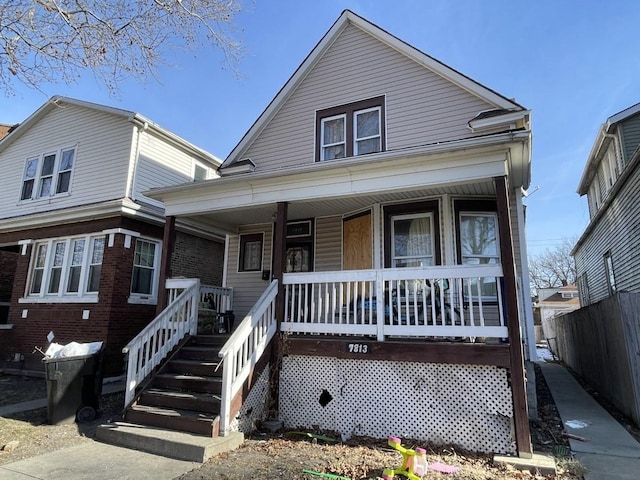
point(601, 343)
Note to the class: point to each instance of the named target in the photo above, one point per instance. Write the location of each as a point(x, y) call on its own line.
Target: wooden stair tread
point(186, 395)
point(174, 412)
point(186, 376)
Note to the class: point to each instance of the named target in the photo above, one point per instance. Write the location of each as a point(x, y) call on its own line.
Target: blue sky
point(572, 63)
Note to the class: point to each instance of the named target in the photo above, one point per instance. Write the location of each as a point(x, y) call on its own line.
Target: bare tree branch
point(45, 41)
point(553, 268)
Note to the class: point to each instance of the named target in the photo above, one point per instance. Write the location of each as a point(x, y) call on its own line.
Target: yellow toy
point(414, 462)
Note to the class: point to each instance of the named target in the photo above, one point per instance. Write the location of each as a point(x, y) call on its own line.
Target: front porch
point(438, 327)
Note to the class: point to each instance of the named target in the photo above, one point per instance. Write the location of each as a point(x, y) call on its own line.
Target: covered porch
point(349, 290)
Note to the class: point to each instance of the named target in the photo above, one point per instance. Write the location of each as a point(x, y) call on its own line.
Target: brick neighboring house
point(79, 242)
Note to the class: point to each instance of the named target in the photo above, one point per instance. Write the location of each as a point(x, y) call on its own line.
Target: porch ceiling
point(228, 220)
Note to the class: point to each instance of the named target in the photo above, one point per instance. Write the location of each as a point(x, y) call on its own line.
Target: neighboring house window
point(48, 175)
point(250, 253)
point(61, 268)
point(199, 172)
point(583, 289)
point(145, 269)
point(611, 278)
point(478, 241)
point(348, 130)
point(412, 240)
point(594, 194)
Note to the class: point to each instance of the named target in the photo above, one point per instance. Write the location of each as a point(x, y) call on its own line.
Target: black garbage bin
point(74, 386)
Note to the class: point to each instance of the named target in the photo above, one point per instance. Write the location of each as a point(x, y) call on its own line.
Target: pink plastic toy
point(414, 462)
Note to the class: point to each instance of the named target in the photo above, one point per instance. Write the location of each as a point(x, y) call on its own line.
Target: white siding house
point(380, 195)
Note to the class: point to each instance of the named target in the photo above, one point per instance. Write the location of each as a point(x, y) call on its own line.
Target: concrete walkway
point(91, 459)
point(610, 452)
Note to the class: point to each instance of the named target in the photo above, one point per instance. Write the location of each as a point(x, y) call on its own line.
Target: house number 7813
point(358, 348)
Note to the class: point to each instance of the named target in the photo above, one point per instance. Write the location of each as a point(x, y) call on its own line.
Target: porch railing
point(464, 301)
point(222, 297)
point(152, 345)
point(243, 349)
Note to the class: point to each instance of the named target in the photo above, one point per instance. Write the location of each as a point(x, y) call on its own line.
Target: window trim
point(147, 298)
point(349, 111)
point(609, 272)
point(55, 175)
point(428, 206)
point(196, 165)
point(245, 238)
point(61, 295)
point(477, 207)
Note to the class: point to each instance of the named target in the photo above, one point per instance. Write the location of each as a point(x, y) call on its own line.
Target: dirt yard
point(281, 455)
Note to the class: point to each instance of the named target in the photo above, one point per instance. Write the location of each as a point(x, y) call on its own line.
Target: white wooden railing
point(222, 297)
point(414, 302)
point(243, 349)
point(151, 345)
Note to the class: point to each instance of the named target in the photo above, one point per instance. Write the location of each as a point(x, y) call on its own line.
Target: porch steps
point(184, 395)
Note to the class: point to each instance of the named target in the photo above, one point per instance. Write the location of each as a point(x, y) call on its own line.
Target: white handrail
point(153, 344)
point(244, 348)
point(222, 297)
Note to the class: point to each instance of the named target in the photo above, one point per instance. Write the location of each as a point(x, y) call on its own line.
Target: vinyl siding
point(160, 164)
point(328, 244)
point(103, 149)
point(247, 286)
point(631, 136)
point(421, 107)
point(617, 230)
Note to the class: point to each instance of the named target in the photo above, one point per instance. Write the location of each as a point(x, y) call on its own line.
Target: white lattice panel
point(465, 405)
point(254, 407)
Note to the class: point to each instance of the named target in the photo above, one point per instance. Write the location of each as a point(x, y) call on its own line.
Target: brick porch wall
point(196, 257)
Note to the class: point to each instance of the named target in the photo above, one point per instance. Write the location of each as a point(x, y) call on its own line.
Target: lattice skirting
point(254, 408)
point(465, 405)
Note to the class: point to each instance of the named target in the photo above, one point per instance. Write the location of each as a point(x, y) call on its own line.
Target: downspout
point(134, 160)
point(529, 330)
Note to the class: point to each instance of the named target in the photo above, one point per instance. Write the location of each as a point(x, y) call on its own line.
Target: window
point(611, 278)
point(48, 175)
point(200, 172)
point(478, 240)
point(348, 130)
point(144, 268)
point(583, 289)
point(61, 269)
point(412, 240)
point(250, 253)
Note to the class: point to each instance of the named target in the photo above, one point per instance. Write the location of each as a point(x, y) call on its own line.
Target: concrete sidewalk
point(610, 452)
point(97, 461)
point(91, 459)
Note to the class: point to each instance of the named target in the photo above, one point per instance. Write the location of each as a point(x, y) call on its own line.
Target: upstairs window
point(348, 130)
point(200, 172)
point(48, 175)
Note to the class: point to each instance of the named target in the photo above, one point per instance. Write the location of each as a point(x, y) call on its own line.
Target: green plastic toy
point(414, 462)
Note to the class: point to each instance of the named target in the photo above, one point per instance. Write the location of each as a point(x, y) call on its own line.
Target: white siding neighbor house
point(607, 255)
point(80, 244)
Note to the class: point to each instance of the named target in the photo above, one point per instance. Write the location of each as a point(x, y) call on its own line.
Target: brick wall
point(196, 257)
point(8, 262)
point(112, 320)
